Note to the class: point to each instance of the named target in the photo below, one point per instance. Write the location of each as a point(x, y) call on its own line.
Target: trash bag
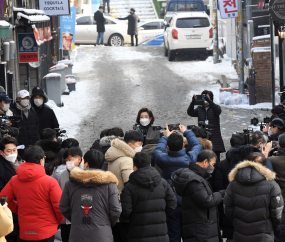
point(223, 96)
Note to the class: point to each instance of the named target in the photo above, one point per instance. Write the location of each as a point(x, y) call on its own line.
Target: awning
point(33, 18)
point(4, 29)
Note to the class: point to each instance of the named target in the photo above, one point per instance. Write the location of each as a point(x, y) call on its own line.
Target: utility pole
point(272, 33)
point(216, 32)
point(240, 47)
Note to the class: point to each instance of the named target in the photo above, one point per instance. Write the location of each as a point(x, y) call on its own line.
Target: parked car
point(115, 31)
point(183, 6)
point(151, 32)
point(189, 32)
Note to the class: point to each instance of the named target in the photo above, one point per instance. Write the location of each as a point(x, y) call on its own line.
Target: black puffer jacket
point(254, 202)
point(146, 199)
point(29, 132)
point(199, 204)
point(213, 115)
point(47, 118)
point(51, 150)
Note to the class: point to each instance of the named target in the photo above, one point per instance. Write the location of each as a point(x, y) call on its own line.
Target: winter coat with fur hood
point(146, 200)
point(120, 157)
point(90, 200)
point(199, 204)
point(253, 202)
point(6, 222)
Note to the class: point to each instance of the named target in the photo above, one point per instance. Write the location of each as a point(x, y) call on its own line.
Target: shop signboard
point(228, 8)
point(27, 48)
point(277, 10)
point(55, 7)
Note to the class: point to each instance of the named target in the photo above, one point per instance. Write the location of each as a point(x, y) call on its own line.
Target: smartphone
point(199, 100)
point(172, 127)
point(275, 144)
point(3, 200)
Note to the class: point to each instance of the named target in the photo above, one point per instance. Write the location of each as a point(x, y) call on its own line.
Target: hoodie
point(146, 201)
point(37, 204)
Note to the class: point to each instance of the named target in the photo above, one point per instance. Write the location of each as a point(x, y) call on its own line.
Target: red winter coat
point(37, 205)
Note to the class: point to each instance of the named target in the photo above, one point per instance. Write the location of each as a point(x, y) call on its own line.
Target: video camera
point(9, 126)
point(202, 125)
point(60, 134)
point(247, 133)
point(254, 121)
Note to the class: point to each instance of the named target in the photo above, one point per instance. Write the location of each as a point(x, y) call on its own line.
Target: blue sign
point(27, 43)
point(67, 30)
point(95, 5)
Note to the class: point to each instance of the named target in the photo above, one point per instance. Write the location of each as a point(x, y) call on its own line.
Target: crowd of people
point(142, 184)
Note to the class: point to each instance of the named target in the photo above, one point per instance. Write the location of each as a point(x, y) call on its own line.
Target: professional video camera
point(247, 133)
point(60, 134)
point(254, 121)
point(202, 125)
point(9, 126)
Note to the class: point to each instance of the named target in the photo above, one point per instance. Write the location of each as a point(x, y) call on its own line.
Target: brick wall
point(262, 66)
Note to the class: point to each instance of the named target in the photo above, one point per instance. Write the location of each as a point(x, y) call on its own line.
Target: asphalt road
point(129, 78)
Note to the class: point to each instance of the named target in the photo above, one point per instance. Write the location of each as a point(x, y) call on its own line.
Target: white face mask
point(38, 102)
point(69, 165)
point(144, 121)
point(11, 158)
point(270, 132)
point(6, 107)
point(138, 149)
point(25, 102)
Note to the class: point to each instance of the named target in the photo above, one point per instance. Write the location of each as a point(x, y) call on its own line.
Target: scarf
point(24, 110)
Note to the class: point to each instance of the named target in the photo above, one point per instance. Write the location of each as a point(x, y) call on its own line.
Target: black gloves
point(207, 99)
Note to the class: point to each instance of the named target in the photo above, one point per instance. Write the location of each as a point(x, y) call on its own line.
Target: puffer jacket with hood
point(29, 132)
point(6, 222)
point(51, 150)
point(120, 157)
point(253, 202)
point(235, 155)
point(146, 200)
point(37, 204)
point(90, 201)
point(199, 204)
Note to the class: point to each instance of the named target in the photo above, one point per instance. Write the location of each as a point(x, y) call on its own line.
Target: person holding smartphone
point(210, 114)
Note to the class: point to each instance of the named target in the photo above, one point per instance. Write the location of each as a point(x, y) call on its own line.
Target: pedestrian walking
point(100, 22)
point(38, 197)
point(29, 132)
point(90, 200)
point(210, 114)
point(47, 117)
point(253, 200)
point(199, 202)
point(133, 21)
point(6, 222)
point(146, 200)
point(175, 159)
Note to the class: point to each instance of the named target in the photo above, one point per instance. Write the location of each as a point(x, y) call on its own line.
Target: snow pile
point(236, 99)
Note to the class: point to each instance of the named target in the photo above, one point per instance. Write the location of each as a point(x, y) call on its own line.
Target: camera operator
point(274, 129)
point(202, 136)
point(210, 114)
point(29, 132)
point(146, 119)
point(276, 112)
point(5, 102)
point(176, 158)
point(46, 115)
point(50, 147)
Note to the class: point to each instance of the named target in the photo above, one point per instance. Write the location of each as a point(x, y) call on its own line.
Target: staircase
point(144, 8)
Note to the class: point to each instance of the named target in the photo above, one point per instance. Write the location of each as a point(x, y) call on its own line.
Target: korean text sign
point(28, 48)
point(67, 30)
point(228, 8)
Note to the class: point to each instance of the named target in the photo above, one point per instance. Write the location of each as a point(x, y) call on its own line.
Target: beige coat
point(120, 161)
point(6, 222)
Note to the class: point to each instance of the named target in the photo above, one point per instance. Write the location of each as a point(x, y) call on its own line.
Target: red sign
point(28, 57)
point(228, 8)
point(261, 4)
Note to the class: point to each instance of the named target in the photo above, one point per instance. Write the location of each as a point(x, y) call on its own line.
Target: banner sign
point(42, 34)
point(54, 7)
point(27, 48)
point(228, 8)
point(277, 10)
point(67, 30)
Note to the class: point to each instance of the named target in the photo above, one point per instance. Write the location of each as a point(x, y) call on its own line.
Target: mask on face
point(144, 122)
point(38, 102)
point(6, 107)
point(270, 132)
point(69, 165)
point(11, 158)
point(210, 169)
point(25, 102)
point(138, 149)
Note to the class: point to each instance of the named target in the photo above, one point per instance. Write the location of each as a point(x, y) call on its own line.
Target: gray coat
point(133, 20)
point(90, 200)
